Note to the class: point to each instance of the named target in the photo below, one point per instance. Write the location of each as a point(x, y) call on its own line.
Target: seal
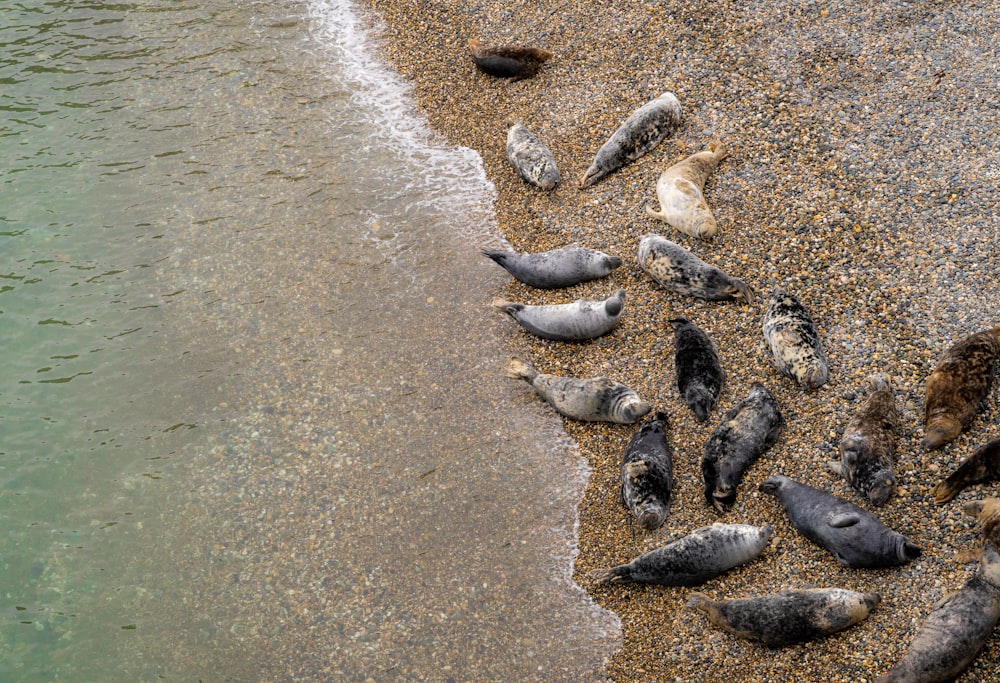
point(868, 446)
point(508, 61)
point(696, 363)
point(648, 473)
point(557, 268)
point(594, 399)
point(643, 130)
point(957, 388)
point(583, 319)
point(747, 430)
point(531, 158)
point(678, 270)
point(788, 617)
point(987, 513)
point(956, 629)
point(703, 554)
point(794, 342)
point(855, 537)
point(680, 192)
point(980, 467)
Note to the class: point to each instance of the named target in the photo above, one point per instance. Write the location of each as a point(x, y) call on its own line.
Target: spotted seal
point(680, 192)
point(868, 446)
point(678, 270)
point(643, 130)
point(531, 158)
point(508, 61)
point(577, 321)
point(982, 466)
point(647, 473)
point(747, 430)
point(696, 363)
point(703, 554)
point(956, 629)
point(788, 617)
point(556, 268)
point(957, 388)
point(794, 341)
point(593, 399)
point(855, 537)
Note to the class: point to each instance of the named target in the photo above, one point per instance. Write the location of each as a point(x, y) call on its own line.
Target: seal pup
point(678, 270)
point(703, 554)
point(747, 430)
point(788, 617)
point(794, 342)
point(958, 387)
point(982, 466)
point(680, 193)
point(987, 513)
point(578, 321)
point(696, 363)
point(855, 537)
point(508, 61)
point(643, 130)
point(648, 473)
point(868, 446)
point(531, 158)
point(593, 399)
point(556, 268)
point(956, 629)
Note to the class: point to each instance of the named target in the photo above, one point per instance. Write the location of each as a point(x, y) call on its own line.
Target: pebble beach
point(862, 176)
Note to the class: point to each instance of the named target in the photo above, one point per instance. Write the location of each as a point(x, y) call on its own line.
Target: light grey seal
point(643, 130)
point(868, 446)
point(855, 537)
point(557, 268)
point(703, 554)
point(982, 466)
point(680, 192)
point(678, 270)
point(508, 61)
point(788, 617)
point(956, 629)
point(647, 473)
point(696, 363)
point(594, 399)
point(583, 319)
point(794, 341)
point(531, 158)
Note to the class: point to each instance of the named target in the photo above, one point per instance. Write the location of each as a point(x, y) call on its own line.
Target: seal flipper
point(843, 520)
point(837, 468)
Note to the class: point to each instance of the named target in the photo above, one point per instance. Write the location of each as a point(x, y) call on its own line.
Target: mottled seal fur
point(794, 341)
point(577, 321)
point(680, 192)
point(855, 537)
point(678, 270)
point(508, 61)
point(593, 399)
point(648, 473)
point(868, 446)
point(703, 554)
point(980, 467)
point(747, 430)
point(956, 629)
point(788, 617)
point(699, 372)
point(987, 513)
point(958, 387)
point(531, 158)
point(643, 130)
point(556, 268)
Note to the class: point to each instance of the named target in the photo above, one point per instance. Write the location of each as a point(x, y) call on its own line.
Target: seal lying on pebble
point(643, 130)
point(982, 466)
point(678, 270)
point(854, 536)
point(557, 268)
point(703, 554)
point(583, 319)
point(987, 513)
point(747, 430)
point(956, 629)
point(508, 61)
point(958, 387)
point(699, 372)
point(531, 158)
point(788, 617)
point(648, 473)
point(594, 399)
point(680, 193)
point(794, 342)
point(868, 446)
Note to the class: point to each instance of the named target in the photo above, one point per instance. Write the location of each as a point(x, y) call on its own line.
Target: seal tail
point(747, 292)
point(719, 149)
point(520, 369)
point(946, 490)
point(497, 255)
point(593, 174)
point(699, 601)
point(504, 306)
point(619, 574)
point(659, 215)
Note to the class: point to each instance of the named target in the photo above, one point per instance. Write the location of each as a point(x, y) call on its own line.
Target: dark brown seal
point(982, 466)
point(508, 61)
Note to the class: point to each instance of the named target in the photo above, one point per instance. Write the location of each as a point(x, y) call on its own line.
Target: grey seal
point(531, 158)
point(794, 341)
point(680, 191)
point(696, 362)
point(982, 466)
point(508, 61)
point(556, 268)
point(577, 321)
point(647, 473)
point(678, 270)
